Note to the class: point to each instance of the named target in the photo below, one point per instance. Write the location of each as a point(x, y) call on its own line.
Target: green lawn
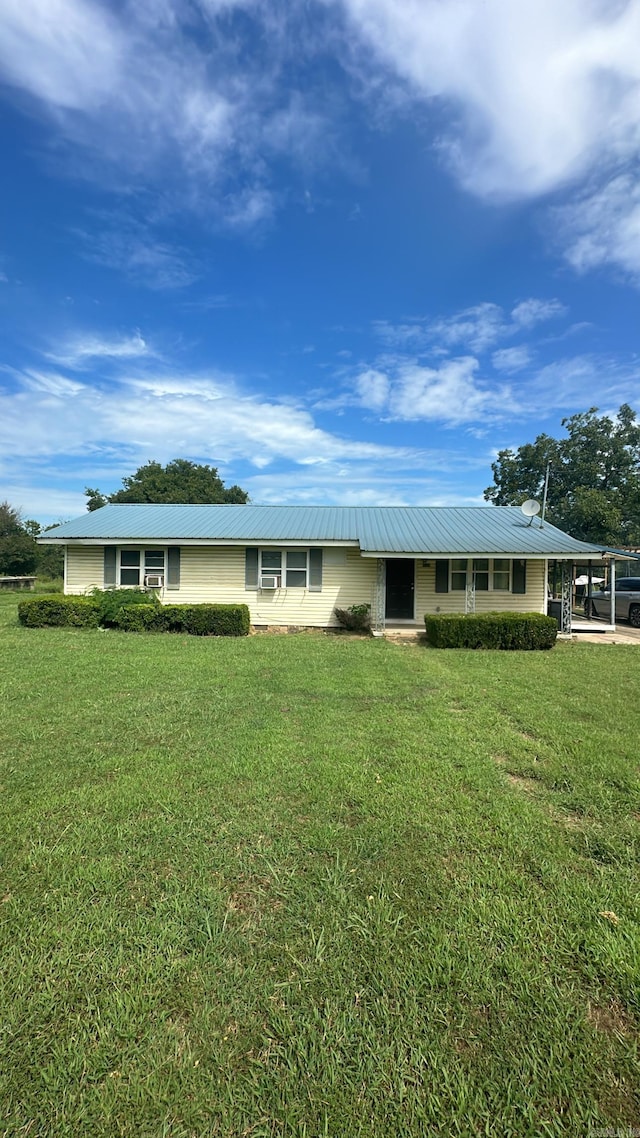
point(316, 886)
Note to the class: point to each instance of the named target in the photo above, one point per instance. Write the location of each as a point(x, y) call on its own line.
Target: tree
point(180, 481)
point(18, 550)
point(594, 479)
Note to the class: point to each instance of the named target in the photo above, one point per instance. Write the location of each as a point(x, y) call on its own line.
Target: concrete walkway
point(624, 634)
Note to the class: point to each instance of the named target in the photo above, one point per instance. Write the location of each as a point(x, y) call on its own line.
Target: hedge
point(59, 611)
point(505, 630)
point(88, 612)
point(197, 620)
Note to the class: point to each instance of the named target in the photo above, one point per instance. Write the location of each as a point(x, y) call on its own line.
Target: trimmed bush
point(59, 612)
point(525, 631)
point(173, 617)
point(197, 620)
point(138, 618)
point(217, 620)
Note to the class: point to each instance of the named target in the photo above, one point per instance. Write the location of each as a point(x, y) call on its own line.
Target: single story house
point(292, 565)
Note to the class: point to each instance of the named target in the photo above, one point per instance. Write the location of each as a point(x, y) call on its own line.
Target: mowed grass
point(316, 886)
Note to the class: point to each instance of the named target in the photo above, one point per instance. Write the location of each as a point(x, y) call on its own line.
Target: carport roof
point(427, 531)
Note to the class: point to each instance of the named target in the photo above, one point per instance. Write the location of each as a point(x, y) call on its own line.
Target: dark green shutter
point(251, 568)
point(442, 576)
point(110, 565)
point(173, 567)
point(315, 570)
point(519, 576)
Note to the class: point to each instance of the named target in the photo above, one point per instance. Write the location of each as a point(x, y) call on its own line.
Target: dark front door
point(400, 589)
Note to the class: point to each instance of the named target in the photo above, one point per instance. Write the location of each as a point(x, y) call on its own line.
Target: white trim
point(143, 572)
point(490, 571)
point(459, 554)
point(270, 571)
point(255, 542)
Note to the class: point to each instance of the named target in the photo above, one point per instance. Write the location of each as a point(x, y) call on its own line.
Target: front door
point(400, 589)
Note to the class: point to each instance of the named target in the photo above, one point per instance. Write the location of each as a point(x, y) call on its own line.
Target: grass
point(316, 886)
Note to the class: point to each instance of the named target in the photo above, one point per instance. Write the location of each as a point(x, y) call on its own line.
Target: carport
point(562, 609)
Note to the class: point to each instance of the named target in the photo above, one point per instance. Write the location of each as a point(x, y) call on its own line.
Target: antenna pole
point(544, 496)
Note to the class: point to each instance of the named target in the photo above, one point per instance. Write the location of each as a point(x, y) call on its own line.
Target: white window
point(290, 567)
point(135, 565)
point(485, 573)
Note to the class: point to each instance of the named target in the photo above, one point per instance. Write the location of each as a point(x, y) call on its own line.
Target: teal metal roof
point(388, 530)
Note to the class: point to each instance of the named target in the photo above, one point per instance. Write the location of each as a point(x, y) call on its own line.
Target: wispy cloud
point(159, 411)
point(142, 101)
point(121, 242)
point(603, 226)
point(541, 92)
point(511, 360)
point(477, 328)
point(80, 350)
point(537, 98)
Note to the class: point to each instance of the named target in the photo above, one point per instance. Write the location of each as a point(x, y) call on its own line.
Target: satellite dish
point(530, 508)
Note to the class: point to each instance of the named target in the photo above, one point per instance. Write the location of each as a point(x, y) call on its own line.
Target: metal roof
point(386, 530)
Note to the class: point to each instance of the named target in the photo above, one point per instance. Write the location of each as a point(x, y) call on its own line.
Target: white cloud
point(450, 393)
point(530, 312)
point(79, 350)
point(141, 99)
point(164, 415)
point(511, 360)
point(372, 389)
point(542, 91)
point(477, 328)
point(603, 227)
point(534, 97)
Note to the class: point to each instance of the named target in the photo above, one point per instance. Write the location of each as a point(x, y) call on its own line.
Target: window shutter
point(251, 568)
point(315, 570)
point(442, 576)
point(519, 576)
point(173, 567)
point(110, 565)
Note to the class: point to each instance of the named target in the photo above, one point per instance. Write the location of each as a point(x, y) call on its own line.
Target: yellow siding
point(217, 574)
point(428, 601)
point(85, 568)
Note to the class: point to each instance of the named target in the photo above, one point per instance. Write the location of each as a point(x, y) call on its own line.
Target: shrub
point(504, 630)
point(173, 617)
point(59, 611)
point(139, 618)
point(216, 620)
point(197, 620)
point(110, 601)
point(357, 618)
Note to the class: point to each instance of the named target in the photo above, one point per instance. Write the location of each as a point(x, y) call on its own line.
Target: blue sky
point(344, 250)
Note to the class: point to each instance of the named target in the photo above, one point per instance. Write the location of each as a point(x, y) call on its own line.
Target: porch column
point(567, 588)
point(379, 598)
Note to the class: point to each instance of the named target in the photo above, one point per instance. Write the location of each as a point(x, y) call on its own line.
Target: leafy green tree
point(180, 481)
point(18, 550)
point(594, 479)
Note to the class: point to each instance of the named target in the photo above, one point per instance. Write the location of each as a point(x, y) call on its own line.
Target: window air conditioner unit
point(154, 580)
point(270, 581)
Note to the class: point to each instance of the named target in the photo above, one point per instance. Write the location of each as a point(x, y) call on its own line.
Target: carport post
point(612, 585)
point(567, 589)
